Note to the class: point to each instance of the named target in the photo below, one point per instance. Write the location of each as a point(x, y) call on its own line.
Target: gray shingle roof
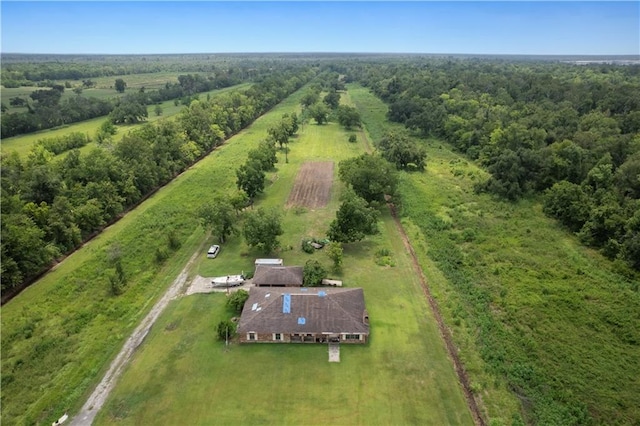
point(325, 310)
point(278, 275)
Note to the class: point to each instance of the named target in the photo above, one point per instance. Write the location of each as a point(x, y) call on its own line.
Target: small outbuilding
point(278, 276)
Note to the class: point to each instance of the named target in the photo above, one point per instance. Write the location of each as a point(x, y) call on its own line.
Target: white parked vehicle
point(213, 251)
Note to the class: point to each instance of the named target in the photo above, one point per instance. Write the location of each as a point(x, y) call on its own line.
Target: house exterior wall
point(346, 338)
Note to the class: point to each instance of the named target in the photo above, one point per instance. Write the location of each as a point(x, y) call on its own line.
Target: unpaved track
point(99, 396)
point(444, 331)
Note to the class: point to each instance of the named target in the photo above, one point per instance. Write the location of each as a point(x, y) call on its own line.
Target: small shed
point(335, 283)
point(269, 262)
point(278, 276)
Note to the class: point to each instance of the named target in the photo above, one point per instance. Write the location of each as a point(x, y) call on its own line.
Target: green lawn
point(23, 144)
point(529, 307)
point(403, 376)
point(59, 335)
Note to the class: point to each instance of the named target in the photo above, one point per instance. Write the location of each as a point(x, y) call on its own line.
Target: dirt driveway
point(203, 285)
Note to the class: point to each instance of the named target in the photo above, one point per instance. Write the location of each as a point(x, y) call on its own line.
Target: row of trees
point(51, 204)
point(26, 70)
point(570, 132)
point(261, 228)
point(46, 109)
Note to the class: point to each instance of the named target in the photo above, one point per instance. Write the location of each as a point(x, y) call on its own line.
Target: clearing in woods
point(312, 187)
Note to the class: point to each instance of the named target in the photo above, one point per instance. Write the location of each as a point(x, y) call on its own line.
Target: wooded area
point(50, 205)
point(567, 132)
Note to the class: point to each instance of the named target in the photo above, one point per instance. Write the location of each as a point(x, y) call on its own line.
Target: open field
point(59, 335)
point(104, 88)
point(530, 309)
point(312, 187)
point(23, 144)
point(403, 376)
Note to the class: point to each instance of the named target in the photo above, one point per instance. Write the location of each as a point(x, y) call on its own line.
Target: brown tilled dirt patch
point(313, 185)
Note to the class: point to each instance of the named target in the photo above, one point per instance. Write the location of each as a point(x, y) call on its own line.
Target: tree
point(332, 99)
point(568, 203)
point(265, 155)
point(336, 253)
point(218, 216)
point(239, 201)
point(313, 274)
point(348, 116)
point(262, 228)
point(309, 99)
point(371, 176)
point(120, 85)
point(237, 299)
point(250, 178)
point(402, 151)
point(128, 111)
point(354, 220)
point(225, 330)
point(158, 110)
point(319, 112)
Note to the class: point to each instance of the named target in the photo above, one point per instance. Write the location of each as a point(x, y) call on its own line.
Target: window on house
point(277, 336)
point(252, 336)
point(352, 337)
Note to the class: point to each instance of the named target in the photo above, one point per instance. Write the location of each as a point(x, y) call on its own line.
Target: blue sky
point(480, 27)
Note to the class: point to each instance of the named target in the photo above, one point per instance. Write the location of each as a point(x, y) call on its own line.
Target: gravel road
point(99, 396)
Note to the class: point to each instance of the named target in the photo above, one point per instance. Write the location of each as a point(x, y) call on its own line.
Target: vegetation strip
point(98, 397)
point(183, 374)
point(444, 331)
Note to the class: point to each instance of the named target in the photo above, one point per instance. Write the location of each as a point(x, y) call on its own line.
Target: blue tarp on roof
point(286, 303)
point(322, 293)
point(301, 320)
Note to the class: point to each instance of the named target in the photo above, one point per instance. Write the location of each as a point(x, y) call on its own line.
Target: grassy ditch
point(403, 376)
point(536, 316)
point(59, 335)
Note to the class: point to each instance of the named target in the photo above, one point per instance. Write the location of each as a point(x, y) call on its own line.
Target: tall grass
point(536, 316)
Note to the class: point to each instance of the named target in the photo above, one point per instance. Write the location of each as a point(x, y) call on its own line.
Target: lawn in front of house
point(183, 375)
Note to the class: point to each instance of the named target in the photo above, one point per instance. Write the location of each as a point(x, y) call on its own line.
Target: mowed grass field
point(183, 375)
point(24, 143)
point(526, 302)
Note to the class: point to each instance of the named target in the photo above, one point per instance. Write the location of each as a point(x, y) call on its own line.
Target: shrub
point(313, 274)
point(237, 299)
point(306, 246)
point(225, 329)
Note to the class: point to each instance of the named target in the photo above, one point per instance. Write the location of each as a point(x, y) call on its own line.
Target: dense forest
point(51, 204)
point(568, 133)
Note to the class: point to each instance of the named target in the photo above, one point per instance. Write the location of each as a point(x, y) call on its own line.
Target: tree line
point(51, 205)
point(569, 133)
point(28, 70)
point(46, 109)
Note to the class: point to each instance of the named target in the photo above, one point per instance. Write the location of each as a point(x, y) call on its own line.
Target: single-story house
point(304, 315)
point(278, 276)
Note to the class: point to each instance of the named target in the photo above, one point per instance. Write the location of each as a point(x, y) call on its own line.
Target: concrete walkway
point(334, 352)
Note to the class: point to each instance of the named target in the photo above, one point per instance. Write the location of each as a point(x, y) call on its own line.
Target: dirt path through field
point(99, 396)
point(444, 331)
